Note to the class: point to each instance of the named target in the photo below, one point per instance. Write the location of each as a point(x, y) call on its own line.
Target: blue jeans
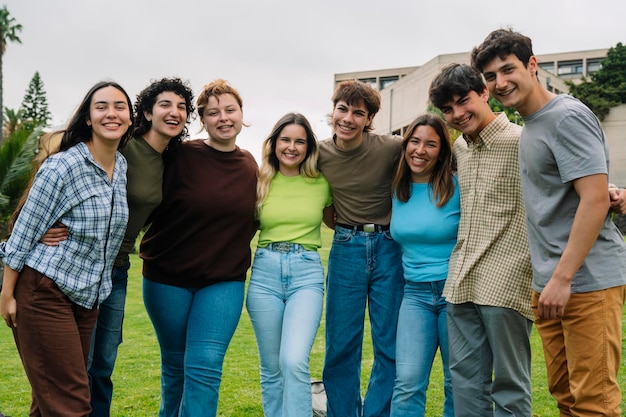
point(364, 269)
point(194, 327)
point(422, 328)
point(284, 301)
point(490, 360)
point(106, 338)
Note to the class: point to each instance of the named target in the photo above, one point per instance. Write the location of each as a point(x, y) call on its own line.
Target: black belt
point(368, 227)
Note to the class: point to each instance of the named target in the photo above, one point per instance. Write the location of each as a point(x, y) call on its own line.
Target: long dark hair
point(77, 131)
point(440, 181)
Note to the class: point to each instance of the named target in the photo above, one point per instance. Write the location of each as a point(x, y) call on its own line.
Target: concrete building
point(404, 93)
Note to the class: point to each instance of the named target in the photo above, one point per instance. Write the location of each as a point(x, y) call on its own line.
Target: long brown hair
point(440, 181)
point(77, 131)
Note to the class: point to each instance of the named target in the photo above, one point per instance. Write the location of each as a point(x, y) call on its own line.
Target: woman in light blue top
point(424, 221)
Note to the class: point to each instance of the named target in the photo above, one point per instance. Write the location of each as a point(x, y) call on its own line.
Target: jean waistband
point(285, 247)
point(368, 227)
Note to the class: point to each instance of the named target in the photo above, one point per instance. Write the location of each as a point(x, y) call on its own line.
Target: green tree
point(510, 112)
point(35, 104)
point(607, 87)
point(12, 120)
point(9, 29)
point(16, 168)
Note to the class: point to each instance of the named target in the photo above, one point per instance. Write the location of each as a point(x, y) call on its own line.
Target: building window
point(371, 81)
point(570, 69)
point(548, 66)
point(593, 65)
point(387, 81)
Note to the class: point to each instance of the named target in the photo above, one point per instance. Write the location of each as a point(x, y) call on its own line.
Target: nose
point(500, 80)
point(457, 112)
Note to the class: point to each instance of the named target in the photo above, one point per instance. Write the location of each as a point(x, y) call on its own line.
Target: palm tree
point(8, 33)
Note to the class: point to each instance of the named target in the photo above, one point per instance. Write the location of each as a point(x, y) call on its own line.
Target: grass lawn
point(136, 377)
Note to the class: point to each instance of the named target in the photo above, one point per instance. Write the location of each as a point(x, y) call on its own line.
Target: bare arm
point(55, 234)
point(329, 216)
point(586, 227)
point(8, 305)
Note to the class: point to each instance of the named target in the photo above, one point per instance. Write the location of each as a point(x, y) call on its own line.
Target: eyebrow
point(107, 102)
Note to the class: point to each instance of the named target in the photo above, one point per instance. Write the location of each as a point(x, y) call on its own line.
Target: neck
point(156, 141)
point(222, 146)
point(104, 154)
point(349, 145)
point(536, 101)
point(289, 171)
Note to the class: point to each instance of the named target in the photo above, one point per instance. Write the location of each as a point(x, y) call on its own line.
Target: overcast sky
point(281, 55)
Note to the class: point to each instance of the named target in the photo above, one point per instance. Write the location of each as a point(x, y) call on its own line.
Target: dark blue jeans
point(106, 338)
point(364, 269)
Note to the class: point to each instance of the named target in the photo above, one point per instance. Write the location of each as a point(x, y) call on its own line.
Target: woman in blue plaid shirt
point(51, 294)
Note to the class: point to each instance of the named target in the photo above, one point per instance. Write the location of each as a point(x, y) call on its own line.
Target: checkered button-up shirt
point(72, 188)
point(490, 265)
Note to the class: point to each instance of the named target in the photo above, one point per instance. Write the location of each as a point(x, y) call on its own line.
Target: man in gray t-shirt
point(577, 253)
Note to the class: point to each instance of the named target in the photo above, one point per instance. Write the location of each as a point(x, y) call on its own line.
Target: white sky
point(281, 55)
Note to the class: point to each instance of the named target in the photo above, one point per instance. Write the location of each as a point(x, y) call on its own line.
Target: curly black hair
point(147, 98)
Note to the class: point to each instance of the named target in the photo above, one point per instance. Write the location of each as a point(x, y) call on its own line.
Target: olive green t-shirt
point(144, 190)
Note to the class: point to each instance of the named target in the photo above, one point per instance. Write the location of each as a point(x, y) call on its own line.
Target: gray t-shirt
point(560, 143)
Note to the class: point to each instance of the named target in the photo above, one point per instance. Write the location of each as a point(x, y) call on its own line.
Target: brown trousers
point(53, 336)
point(582, 351)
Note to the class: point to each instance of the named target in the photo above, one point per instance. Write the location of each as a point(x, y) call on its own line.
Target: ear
point(485, 94)
point(88, 122)
point(533, 66)
point(147, 115)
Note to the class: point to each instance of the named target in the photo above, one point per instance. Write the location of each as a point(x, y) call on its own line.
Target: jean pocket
point(310, 256)
point(341, 236)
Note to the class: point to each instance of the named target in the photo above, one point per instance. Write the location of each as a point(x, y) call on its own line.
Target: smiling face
point(512, 83)
point(422, 153)
point(223, 119)
point(291, 148)
point(470, 114)
point(109, 115)
point(349, 122)
point(169, 115)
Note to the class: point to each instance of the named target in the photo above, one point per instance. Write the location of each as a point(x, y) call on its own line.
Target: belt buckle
point(282, 247)
point(369, 227)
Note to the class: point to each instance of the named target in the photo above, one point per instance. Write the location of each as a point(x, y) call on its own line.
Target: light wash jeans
point(106, 338)
point(194, 327)
point(422, 328)
point(364, 269)
point(490, 361)
point(284, 301)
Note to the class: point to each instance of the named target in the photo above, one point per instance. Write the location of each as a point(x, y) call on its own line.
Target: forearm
point(586, 227)
point(9, 281)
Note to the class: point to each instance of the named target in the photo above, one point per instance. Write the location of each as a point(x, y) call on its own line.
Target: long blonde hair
point(270, 164)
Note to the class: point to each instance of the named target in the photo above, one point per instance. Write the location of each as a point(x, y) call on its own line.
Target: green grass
point(136, 377)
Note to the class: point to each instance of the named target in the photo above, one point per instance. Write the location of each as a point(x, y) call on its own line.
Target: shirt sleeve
point(42, 209)
point(579, 148)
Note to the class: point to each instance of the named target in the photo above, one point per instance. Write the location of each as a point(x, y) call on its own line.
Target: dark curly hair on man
point(147, 98)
